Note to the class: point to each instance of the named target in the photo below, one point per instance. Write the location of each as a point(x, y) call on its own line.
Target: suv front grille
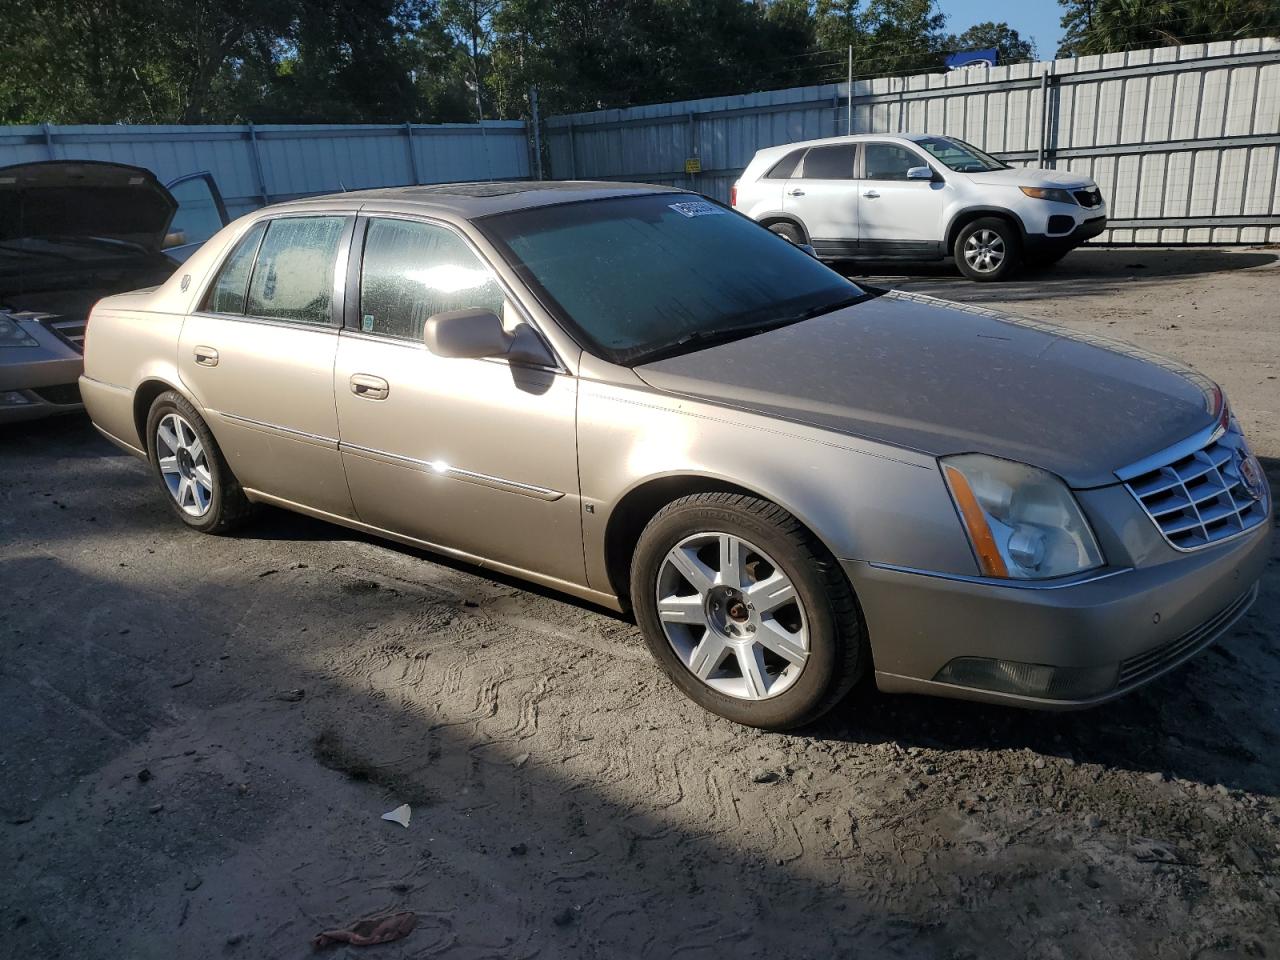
point(66, 329)
point(1089, 198)
point(1198, 496)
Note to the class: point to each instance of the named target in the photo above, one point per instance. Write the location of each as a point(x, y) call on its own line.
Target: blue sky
point(1037, 19)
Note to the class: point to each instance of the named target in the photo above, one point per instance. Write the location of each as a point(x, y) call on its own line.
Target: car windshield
point(641, 277)
point(960, 156)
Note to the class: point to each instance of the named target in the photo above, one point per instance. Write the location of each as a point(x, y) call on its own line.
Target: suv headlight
point(12, 335)
point(1023, 522)
point(1049, 193)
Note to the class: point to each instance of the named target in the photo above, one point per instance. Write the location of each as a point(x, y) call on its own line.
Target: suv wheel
point(988, 249)
point(195, 477)
point(746, 611)
point(787, 231)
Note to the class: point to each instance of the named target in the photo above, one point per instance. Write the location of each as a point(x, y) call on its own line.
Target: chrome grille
point(1198, 496)
point(1145, 665)
point(67, 330)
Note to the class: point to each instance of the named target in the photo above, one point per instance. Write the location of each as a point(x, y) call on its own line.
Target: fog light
point(14, 398)
point(1030, 679)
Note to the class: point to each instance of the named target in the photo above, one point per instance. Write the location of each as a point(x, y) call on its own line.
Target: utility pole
point(849, 95)
point(537, 132)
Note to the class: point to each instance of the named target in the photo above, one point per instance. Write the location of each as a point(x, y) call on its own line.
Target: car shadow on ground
point(1087, 271)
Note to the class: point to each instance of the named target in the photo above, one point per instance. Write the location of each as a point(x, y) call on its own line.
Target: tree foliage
point(193, 61)
point(1105, 26)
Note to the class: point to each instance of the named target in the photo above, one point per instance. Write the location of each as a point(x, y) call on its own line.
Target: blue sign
point(972, 58)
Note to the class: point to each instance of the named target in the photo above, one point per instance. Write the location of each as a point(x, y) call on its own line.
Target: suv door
point(899, 216)
point(822, 194)
point(200, 214)
point(477, 457)
point(258, 358)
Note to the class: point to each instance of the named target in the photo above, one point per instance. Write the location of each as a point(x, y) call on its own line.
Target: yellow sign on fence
point(693, 165)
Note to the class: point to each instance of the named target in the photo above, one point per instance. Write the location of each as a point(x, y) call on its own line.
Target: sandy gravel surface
point(200, 735)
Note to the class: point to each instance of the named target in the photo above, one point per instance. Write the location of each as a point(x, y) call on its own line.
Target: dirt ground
point(199, 736)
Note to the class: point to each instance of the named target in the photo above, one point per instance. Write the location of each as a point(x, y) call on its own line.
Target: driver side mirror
point(477, 333)
point(920, 173)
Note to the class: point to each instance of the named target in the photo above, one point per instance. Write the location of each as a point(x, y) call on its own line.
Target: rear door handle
point(206, 356)
point(369, 387)
point(872, 195)
point(795, 192)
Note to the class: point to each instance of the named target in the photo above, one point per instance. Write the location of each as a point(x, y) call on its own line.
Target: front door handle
point(206, 356)
point(795, 192)
point(872, 195)
point(369, 387)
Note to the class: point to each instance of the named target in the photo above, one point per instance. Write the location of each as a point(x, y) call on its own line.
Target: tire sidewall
point(787, 231)
point(797, 704)
point(1012, 244)
point(172, 402)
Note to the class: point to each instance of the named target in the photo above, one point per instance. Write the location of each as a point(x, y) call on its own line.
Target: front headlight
point(1023, 522)
point(1049, 193)
point(12, 335)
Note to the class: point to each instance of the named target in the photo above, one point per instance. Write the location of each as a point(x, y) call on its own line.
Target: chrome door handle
point(871, 195)
point(206, 356)
point(369, 387)
point(796, 192)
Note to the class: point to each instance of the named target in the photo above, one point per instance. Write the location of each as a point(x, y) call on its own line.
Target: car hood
point(84, 198)
point(1032, 177)
point(945, 378)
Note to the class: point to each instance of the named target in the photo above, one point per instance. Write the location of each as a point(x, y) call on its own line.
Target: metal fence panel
point(254, 165)
point(1184, 141)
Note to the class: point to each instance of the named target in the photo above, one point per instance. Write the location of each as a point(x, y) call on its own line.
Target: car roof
point(852, 138)
point(471, 200)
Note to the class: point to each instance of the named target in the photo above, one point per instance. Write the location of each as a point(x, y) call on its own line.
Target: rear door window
point(293, 276)
point(228, 292)
point(829, 163)
point(413, 270)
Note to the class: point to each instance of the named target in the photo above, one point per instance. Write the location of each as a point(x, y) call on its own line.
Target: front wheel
point(988, 249)
point(200, 487)
point(746, 611)
point(788, 231)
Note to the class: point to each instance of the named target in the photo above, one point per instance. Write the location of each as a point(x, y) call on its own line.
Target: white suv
point(919, 197)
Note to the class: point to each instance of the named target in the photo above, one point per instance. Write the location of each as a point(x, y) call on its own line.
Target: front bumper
point(1141, 622)
point(1040, 244)
point(39, 381)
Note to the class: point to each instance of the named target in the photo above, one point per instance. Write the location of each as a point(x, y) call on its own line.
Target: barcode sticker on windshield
point(696, 208)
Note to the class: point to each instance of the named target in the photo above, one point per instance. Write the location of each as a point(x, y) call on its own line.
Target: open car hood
point(84, 198)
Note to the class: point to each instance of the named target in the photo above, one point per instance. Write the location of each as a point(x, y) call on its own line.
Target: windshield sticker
point(696, 208)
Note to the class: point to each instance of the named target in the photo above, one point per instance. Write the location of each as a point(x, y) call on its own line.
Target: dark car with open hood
point(72, 232)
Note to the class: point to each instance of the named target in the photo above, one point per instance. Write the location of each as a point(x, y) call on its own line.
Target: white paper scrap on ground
point(399, 815)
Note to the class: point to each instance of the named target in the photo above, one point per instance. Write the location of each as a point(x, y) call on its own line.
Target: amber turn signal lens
point(984, 544)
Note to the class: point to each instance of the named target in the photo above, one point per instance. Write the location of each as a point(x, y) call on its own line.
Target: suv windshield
point(637, 278)
point(960, 156)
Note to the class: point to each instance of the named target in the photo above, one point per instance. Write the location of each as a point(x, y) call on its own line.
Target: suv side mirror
point(478, 333)
point(920, 173)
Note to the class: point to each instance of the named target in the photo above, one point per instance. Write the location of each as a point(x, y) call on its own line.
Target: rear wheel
point(788, 231)
point(197, 482)
point(988, 249)
point(746, 611)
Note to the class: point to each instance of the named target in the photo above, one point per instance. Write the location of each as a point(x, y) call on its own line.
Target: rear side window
point(414, 270)
point(829, 163)
point(293, 277)
point(885, 161)
point(785, 167)
point(228, 291)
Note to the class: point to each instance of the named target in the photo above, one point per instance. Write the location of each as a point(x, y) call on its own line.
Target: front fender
point(864, 500)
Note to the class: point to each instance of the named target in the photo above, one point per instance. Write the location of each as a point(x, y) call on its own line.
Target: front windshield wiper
point(710, 337)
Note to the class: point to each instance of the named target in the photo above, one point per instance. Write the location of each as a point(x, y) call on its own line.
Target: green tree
point(1105, 26)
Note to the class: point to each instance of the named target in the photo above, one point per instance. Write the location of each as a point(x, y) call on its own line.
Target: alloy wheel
point(184, 465)
point(732, 615)
point(984, 251)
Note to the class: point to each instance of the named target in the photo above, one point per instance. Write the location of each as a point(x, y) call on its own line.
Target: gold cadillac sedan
point(641, 398)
